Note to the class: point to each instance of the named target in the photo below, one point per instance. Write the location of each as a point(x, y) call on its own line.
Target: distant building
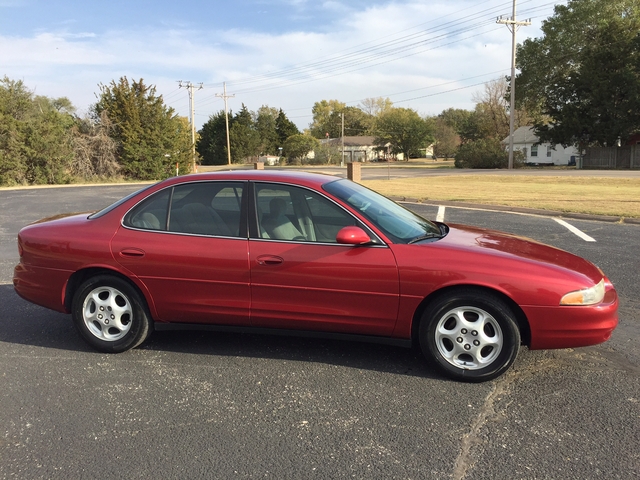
point(537, 153)
point(633, 139)
point(269, 159)
point(363, 149)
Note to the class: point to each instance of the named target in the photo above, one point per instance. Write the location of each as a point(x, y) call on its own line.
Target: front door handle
point(270, 260)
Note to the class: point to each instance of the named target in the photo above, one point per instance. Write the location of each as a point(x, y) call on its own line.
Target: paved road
point(211, 405)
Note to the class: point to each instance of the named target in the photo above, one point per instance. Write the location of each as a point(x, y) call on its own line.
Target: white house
point(362, 149)
point(525, 140)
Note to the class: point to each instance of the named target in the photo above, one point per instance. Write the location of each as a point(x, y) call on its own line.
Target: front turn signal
point(587, 296)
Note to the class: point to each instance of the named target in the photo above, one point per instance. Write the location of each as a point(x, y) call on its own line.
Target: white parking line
point(575, 231)
point(570, 227)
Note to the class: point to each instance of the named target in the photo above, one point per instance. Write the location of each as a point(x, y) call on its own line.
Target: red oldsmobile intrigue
point(274, 251)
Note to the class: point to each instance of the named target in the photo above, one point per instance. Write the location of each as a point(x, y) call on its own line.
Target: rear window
point(115, 205)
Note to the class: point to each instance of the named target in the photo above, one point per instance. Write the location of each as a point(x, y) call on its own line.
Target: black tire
point(471, 335)
point(110, 314)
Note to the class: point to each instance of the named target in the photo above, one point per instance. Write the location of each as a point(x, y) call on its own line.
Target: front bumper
point(572, 326)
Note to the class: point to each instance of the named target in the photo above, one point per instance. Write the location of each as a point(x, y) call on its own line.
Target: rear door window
point(198, 208)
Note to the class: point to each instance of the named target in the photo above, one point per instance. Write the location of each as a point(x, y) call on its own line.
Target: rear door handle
point(270, 260)
point(132, 252)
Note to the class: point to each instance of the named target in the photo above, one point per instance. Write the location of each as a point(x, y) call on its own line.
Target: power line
point(348, 57)
point(388, 50)
point(296, 78)
point(366, 55)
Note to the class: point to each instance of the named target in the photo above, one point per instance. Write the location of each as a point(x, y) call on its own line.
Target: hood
point(506, 246)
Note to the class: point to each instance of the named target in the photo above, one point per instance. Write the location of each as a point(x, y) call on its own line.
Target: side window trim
point(234, 184)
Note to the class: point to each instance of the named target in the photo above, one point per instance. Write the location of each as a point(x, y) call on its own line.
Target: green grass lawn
point(591, 195)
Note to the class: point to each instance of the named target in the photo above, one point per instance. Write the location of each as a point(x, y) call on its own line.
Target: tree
point(265, 121)
point(405, 130)
point(372, 108)
point(490, 118)
point(484, 153)
point(584, 73)
point(178, 137)
point(356, 122)
point(95, 150)
point(212, 140)
point(326, 153)
point(35, 136)
point(151, 137)
point(324, 119)
point(375, 106)
point(328, 118)
point(446, 139)
point(49, 147)
point(285, 128)
point(492, 110)
point(455, 118)
point(250, 134)
point(296, 147)
point(15, 107)
point(243, 137)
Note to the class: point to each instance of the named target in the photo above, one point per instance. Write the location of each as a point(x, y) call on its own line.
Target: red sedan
point(292, 252)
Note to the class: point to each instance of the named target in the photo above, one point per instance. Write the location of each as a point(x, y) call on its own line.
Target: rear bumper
point(567, 327)
point(42, 286)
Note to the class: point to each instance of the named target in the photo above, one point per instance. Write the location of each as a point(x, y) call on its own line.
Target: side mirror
point(352, 236)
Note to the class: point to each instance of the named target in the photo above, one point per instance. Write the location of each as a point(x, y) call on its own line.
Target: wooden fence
point(612, 158)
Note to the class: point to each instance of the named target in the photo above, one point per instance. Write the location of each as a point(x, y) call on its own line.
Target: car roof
point(298, 177)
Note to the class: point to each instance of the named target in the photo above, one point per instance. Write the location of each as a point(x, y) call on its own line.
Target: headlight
point(588, 296)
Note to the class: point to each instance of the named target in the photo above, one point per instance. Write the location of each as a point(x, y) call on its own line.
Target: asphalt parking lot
point(212, 405)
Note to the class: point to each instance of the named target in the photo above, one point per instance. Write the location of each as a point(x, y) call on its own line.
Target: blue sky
point(425, 55)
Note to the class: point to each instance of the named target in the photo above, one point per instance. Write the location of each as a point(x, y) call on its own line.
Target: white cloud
point(73, 63)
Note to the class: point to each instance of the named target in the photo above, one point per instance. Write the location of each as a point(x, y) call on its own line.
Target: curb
point(527, 211)
point(73, 185)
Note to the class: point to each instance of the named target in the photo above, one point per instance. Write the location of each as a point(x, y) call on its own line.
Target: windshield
point(398, 223)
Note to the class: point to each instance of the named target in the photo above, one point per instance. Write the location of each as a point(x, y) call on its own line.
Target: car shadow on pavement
point(354, 354)
point(23, 323)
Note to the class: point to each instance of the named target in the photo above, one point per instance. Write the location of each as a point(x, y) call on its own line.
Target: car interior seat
point(277, 224)
point(196, 218)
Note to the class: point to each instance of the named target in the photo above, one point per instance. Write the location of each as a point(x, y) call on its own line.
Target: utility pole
point(224, 96)
point(512, 25)
point(189, 86)
point(342, 137)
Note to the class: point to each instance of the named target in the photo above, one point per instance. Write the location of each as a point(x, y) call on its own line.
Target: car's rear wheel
point(110, 314)
point(470, 335)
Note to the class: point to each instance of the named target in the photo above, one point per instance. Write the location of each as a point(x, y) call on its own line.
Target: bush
point(485, 153)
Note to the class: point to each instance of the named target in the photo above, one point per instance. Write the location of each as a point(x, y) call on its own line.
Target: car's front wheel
point(110, 314)
point(470, 335)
